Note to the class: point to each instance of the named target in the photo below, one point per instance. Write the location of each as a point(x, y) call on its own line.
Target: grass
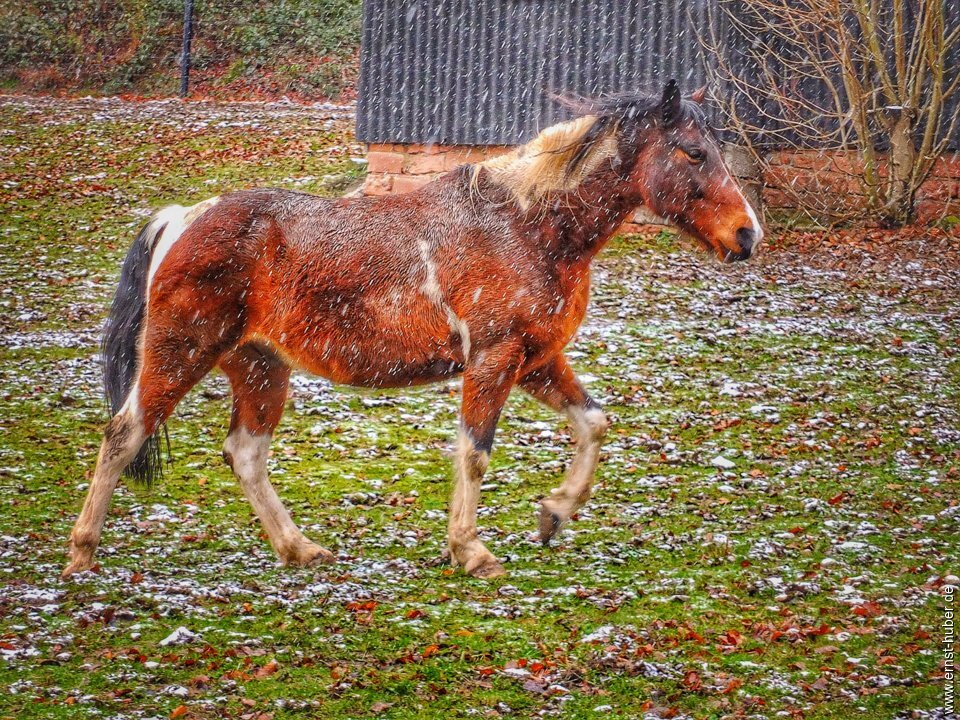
point(801, 582)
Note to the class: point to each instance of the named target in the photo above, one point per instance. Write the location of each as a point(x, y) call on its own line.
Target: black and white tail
point(123, 333)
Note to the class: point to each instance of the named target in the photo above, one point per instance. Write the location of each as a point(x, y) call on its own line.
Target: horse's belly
point(379, 369)
point(393, 347)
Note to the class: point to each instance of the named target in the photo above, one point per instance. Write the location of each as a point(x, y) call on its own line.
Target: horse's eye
point(695, 155)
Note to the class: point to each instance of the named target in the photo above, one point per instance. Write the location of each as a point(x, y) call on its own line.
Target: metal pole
point(185, 57)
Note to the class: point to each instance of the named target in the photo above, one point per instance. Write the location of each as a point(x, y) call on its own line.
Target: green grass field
point(798, 580)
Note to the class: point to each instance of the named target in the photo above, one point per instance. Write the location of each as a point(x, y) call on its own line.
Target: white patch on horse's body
point(131, 406)
point(174, 220)
point(431, 288)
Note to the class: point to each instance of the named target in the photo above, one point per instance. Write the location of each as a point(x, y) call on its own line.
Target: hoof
point(81, 559)
point(488, 570)
point(550, 522)
point(476, 560)
point(309, 555)
point(75, 567)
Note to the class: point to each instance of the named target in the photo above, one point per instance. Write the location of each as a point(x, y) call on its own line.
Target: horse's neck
point(582, 222)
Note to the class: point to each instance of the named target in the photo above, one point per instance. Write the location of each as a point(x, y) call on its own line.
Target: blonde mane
point(544, 165)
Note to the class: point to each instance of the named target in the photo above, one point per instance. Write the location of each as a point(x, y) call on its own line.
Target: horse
point(484, 273)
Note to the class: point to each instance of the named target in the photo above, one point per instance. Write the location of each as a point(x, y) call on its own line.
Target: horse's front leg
point(557, 387)
point(486, 385)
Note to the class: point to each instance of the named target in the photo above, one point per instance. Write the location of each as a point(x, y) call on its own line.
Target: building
point(443, 82)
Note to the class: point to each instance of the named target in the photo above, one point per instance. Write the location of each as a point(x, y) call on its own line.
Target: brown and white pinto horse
point(483, 272)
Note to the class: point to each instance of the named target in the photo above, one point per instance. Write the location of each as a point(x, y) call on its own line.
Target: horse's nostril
point(746, 238)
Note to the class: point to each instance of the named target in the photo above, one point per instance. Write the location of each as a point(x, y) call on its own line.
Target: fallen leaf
point(267, 670)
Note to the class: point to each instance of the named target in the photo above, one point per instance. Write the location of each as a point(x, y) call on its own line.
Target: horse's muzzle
point(746, 238)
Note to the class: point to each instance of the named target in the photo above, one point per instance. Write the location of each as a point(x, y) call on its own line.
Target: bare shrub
point(869, 83)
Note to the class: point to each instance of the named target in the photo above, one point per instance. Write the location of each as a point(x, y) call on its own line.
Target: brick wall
point(827, 178)
point(830, 180)
point(401, 168)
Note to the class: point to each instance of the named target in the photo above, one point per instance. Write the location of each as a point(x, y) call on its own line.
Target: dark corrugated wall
point(475, 72)
point(456, 71)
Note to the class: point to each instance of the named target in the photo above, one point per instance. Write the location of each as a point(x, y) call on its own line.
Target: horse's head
point(683, 178)
point(672, 164)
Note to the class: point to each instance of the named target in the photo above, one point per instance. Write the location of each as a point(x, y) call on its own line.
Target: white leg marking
point(122, 440)
point(247, 455)
point(589, 427)
point(465, 548)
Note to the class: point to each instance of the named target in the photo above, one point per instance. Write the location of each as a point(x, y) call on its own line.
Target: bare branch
point(842, 76)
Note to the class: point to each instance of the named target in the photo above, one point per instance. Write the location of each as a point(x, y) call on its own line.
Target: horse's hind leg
point(259, 381)
point(169, 370)
point(557, 387)
point(122, 438)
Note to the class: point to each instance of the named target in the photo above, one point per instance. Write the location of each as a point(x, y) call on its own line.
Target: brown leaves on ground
point(362, 611)
point(267, 670)
point(855, 248)
point(77, 165)
point(868, 610)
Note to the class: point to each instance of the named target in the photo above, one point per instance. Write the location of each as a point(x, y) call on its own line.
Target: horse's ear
point(670, 105)
point(699, 95)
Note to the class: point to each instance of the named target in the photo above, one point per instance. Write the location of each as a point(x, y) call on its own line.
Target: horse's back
point(345, 288)
point(373, 291)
